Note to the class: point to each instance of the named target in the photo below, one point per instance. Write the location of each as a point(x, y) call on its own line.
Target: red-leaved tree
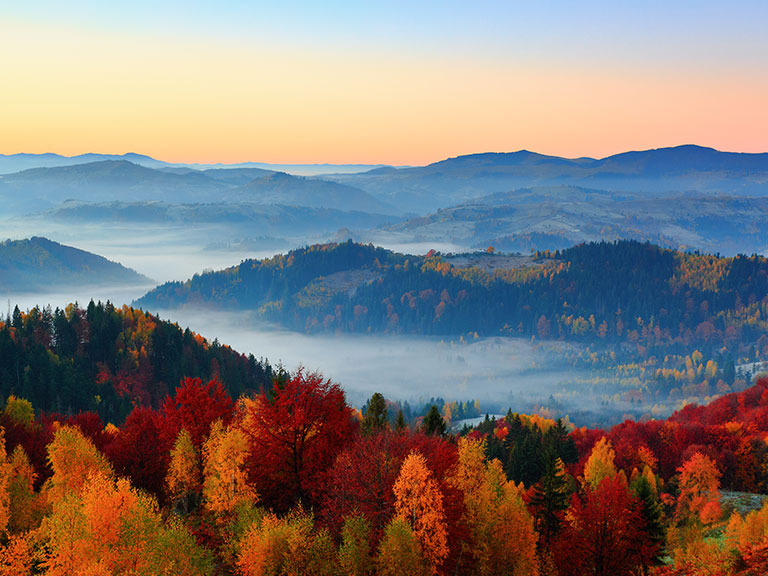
point(195, 407)
point(604, 534)
point(295, 434)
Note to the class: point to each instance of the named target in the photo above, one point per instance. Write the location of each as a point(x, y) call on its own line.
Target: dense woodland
point(670, 326)
point(106, 359)
point(292, 480)
point(624, 292)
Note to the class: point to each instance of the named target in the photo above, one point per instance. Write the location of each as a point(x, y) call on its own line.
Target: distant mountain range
point(10, 163)
point(652, 172)
point(38, 264)
point(39, 189)
point(687, 197)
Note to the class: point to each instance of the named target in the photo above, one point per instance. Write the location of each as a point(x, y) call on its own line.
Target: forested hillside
point(626, 293)
point(292, 480)
point(37, 264)
point(109, 360)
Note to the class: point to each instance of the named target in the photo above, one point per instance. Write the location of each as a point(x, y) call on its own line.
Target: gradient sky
point(386, 82)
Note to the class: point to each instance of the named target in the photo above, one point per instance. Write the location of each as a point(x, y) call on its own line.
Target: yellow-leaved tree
point(184, 479)
point(26, 507)
point(73, 458)
point(502, 535)
point(400, 551)
point(355, 551)
point(225, 480)
point(419, 501)
point(600, 463)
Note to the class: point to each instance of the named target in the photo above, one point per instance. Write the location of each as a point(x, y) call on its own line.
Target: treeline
point(108, 360)
point(292, 480)
point(635, 297)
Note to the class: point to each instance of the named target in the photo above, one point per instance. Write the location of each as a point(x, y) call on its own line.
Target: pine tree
point(651, 511)
point(376, 416)
point(400, 424)
point(433, 423)
point(550, 497)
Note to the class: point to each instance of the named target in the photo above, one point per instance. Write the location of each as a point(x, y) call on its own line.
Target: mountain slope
point(37, 264)
point(555, 217)
point(282, 188)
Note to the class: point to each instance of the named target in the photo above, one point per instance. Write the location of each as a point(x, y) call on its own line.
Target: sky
point(403, 83)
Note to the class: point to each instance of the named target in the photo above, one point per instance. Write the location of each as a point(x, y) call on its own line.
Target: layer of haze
point(395, 82)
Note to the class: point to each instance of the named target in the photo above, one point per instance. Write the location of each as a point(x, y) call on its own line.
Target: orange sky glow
point(72, 88)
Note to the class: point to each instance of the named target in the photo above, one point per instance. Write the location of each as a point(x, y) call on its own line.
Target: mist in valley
point(500, 372)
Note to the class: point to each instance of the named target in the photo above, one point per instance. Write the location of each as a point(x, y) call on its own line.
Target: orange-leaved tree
point(699, 490)
point(108, 527)
point(419, 502)
point(289, 545)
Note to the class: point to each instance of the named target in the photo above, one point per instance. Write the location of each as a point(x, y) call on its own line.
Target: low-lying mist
point(412, 368)
point(500, 372)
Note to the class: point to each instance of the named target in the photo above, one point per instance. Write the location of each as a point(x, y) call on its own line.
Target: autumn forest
point(185, 457)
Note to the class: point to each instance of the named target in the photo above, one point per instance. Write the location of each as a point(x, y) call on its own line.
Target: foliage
point(355, 557)
point(400, 551)
point(502, 536)
point(184, 478)
point(294, 435)
point(420, 503)
point(600, 464)
point(289, 545)
point(604, 533)
point(433, 422)
point(225, 483)
point(109, 360)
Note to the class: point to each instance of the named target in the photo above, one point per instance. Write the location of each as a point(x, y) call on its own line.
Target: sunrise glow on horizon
point(334, 82)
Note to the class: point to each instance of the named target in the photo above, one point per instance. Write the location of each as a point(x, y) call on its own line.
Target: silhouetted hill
point(38, 264)
point(109, 179)
point(658, 172)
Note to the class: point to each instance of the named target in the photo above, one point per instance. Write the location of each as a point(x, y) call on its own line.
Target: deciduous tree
point(225, 483)
point(418, 500)
point(600, 464)
point(185, 479)
point(294, 436)
point(400, 551)
point(604, 535)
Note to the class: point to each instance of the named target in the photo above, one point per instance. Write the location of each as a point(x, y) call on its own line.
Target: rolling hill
point(36, 264)
point(40, 189)
point(555, 217)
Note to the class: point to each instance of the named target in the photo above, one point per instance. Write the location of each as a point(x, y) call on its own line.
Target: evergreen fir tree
point(433, 423)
